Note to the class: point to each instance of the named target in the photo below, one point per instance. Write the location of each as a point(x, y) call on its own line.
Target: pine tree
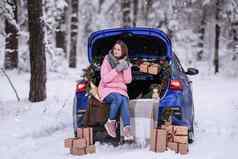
point(37, 51)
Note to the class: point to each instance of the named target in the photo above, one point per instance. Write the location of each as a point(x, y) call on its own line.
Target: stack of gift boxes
point(151, 68)
point(170, 137)
point(82, 144)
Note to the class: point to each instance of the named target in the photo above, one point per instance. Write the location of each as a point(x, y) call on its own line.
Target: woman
point(115, 74)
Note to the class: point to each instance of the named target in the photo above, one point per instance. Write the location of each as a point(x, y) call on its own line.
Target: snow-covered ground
point(37, 130)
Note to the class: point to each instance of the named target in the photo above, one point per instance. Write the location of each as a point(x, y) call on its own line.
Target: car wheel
point(190, 136)
point(191, 132)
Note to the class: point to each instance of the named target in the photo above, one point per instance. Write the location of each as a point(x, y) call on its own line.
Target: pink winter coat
point(113, 81)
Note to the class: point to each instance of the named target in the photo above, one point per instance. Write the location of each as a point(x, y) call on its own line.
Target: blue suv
point(144, 45)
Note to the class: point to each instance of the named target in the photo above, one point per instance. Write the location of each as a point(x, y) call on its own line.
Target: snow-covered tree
point(135, 12)
point(126, 13)
point(229, 37)
point(54, 12)
point(23, 38)
point(11, 30)
point(96, 15)
point(61, 32)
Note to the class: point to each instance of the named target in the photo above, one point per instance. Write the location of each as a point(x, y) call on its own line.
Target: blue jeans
point(118, 102)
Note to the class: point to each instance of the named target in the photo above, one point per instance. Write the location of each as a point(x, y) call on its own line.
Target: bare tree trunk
point(201, 37)
point(169, 32)
point(234, 33)
point(100, 5)
point(61, 32)
point(67, 27)
point(73, 34)
point(37, 51)
point(216, 57)
point(126, 8)
point(148, 6)
point(60, 38)
point(217, 35)
point(11, 49)
point(135, 12)
point(234, 26)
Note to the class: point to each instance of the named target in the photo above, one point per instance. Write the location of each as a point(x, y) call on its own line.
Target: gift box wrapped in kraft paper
point(82, 144)
point(143, 118)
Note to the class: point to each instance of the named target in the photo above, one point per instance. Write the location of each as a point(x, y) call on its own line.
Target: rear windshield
point(138, 46)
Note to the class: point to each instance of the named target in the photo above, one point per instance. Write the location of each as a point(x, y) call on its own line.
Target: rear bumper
point(170, 100)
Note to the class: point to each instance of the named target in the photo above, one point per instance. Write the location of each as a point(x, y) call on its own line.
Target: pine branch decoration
point(167, 114)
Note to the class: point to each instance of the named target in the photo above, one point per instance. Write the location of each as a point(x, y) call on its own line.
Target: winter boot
point(111, 127)
point(127, 133)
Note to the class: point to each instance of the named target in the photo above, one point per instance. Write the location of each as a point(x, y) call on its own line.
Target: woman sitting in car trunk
point(115, 74)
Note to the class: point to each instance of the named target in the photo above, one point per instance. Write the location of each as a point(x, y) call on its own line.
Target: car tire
point(190, 136)
point(191, 132)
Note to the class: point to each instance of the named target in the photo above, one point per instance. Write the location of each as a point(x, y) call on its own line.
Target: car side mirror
point(192, 71)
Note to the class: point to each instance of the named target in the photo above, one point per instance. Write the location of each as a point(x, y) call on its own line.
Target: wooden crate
point(153, 140)
point(168, 128)
point(86, 133)
point(170, 132)
point(154, 69)
point(176, 139)
point(180, 130)
point(77, 151)
point(80, 143)
point(161, 140)
point(91, 149)
point(79, 132)
point(158, 140)
point(68, 143)
point(181, 139)
point(144, 67)
point(172, 146)
point(183, 149)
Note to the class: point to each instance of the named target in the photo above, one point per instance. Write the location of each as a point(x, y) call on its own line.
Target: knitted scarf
point(112, 59)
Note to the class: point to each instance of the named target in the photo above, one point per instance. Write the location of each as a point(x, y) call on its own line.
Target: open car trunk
point(142, 47)
point(139, 47)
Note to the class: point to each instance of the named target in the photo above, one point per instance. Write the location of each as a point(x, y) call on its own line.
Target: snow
point(37, 130)
point(206, 2)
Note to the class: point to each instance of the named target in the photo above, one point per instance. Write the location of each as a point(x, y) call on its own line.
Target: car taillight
point(176, 85)
point(80, 87)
